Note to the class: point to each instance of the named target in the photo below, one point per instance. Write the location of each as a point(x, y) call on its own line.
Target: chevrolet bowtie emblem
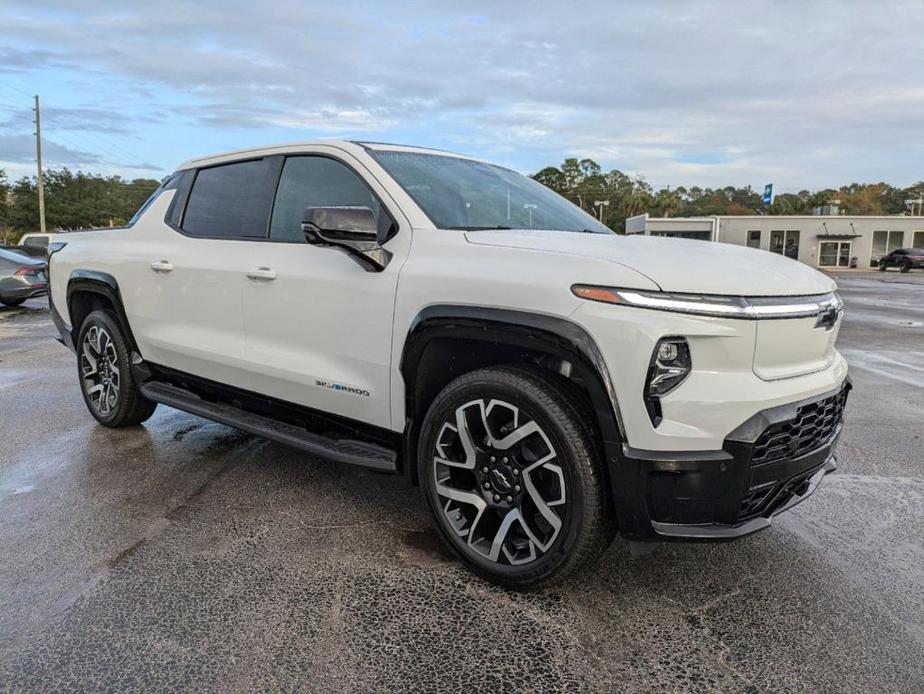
point(827, 317)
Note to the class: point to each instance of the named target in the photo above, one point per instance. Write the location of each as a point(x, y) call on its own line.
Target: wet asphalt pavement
point(184, 555)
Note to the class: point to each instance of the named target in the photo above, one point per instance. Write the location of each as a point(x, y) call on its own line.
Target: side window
point(229, 201)
point(315, 181)
point(168, 183)
point(38, 241)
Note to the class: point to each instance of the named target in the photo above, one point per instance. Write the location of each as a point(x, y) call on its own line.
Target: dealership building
point(820, 240)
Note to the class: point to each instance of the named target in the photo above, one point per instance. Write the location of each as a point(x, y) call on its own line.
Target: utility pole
point(599, 204)
point(38, 157)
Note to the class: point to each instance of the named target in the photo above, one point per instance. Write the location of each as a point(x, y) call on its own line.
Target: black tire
point(119, 403)
point(12, 303)
point(572, 481)
point(882, 266)
point(906, 267)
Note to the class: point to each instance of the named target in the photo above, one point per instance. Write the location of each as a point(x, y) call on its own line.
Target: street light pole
point(599, 204)
point(530, 207)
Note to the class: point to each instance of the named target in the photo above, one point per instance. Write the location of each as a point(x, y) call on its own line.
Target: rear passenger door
point(317, 325)
point(190, 284)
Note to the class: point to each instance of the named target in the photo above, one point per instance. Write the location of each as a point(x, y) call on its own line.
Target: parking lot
point(186, 555)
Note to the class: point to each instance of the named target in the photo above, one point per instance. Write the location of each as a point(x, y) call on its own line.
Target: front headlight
point(670, 365)
point(740, 307)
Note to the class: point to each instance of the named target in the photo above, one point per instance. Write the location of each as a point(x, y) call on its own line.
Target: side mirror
point(351, 229)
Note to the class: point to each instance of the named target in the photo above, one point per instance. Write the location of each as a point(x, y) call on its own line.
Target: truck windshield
point(460, 193)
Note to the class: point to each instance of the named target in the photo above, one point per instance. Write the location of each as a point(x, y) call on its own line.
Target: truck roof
point(291, 147)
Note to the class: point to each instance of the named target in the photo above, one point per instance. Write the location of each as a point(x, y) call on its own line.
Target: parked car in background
point(28, 251)
point(544, 380)
point(905, 259)
point(21, 278)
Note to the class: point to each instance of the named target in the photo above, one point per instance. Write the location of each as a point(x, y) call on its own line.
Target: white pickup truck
point(546, 382)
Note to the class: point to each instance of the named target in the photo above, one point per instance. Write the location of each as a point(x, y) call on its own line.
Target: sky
point(800, 94)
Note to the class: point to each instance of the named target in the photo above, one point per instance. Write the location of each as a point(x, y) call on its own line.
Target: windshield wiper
point(479, 228)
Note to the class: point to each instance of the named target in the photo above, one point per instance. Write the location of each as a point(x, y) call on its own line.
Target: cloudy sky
point(696, 93)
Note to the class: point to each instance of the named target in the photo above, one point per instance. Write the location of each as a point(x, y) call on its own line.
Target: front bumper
point(770, 463)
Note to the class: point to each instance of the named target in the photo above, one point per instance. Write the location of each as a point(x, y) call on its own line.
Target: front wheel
point(513, 477)
point(882, 266)
point(104, 366)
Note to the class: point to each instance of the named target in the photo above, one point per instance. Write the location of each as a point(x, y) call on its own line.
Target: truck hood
point(675, 265)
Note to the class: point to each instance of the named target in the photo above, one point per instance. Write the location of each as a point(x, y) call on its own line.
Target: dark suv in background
point(903, 258)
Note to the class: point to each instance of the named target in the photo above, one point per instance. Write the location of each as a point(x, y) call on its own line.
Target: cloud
point(20, 149)
point(77, 119)
point(815, 93)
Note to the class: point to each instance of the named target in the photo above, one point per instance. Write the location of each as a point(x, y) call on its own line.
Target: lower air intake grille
point(812, 427)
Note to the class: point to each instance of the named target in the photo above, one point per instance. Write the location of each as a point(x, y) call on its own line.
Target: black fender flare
point(105, 285)
point(550, 334)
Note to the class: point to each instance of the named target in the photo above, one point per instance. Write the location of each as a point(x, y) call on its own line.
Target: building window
point(917, 239)
point(884, 242)
point(754, 238)
point(834, 254)
point(785, 242)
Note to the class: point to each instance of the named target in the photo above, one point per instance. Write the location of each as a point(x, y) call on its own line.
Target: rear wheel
point(513, 477)
point(11, 302)
point(104, 367)
point(906, 266)
point(883, 265)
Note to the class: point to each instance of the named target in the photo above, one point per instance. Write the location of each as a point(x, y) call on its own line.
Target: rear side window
point(169, 183)
point(313, 181)
point(229, 201)
point(40, 241)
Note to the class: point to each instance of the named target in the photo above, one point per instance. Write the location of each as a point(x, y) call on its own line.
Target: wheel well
point(84, 297)
point(82, 303)
point(440, 352)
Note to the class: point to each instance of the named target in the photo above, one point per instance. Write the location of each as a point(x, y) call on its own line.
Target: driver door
point(317, 325)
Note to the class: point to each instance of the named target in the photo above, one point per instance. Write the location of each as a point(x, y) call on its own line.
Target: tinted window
point(168, 184)
point(229, 201)
point(41, 241)
point(319, 182)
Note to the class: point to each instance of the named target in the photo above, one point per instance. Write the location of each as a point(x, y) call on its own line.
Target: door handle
point(162, 266)
point(262, 273)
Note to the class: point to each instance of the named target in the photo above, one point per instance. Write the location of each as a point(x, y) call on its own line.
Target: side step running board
point(342, 450)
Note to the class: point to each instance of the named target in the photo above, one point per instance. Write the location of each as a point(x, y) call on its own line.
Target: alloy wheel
point(99, 370)
point(499, 483)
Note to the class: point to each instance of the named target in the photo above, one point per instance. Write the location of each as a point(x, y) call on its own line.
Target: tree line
point(77, 200)
point(73, 200)
point(584, 183)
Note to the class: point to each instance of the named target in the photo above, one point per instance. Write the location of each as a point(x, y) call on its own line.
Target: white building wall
point(811, 231)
